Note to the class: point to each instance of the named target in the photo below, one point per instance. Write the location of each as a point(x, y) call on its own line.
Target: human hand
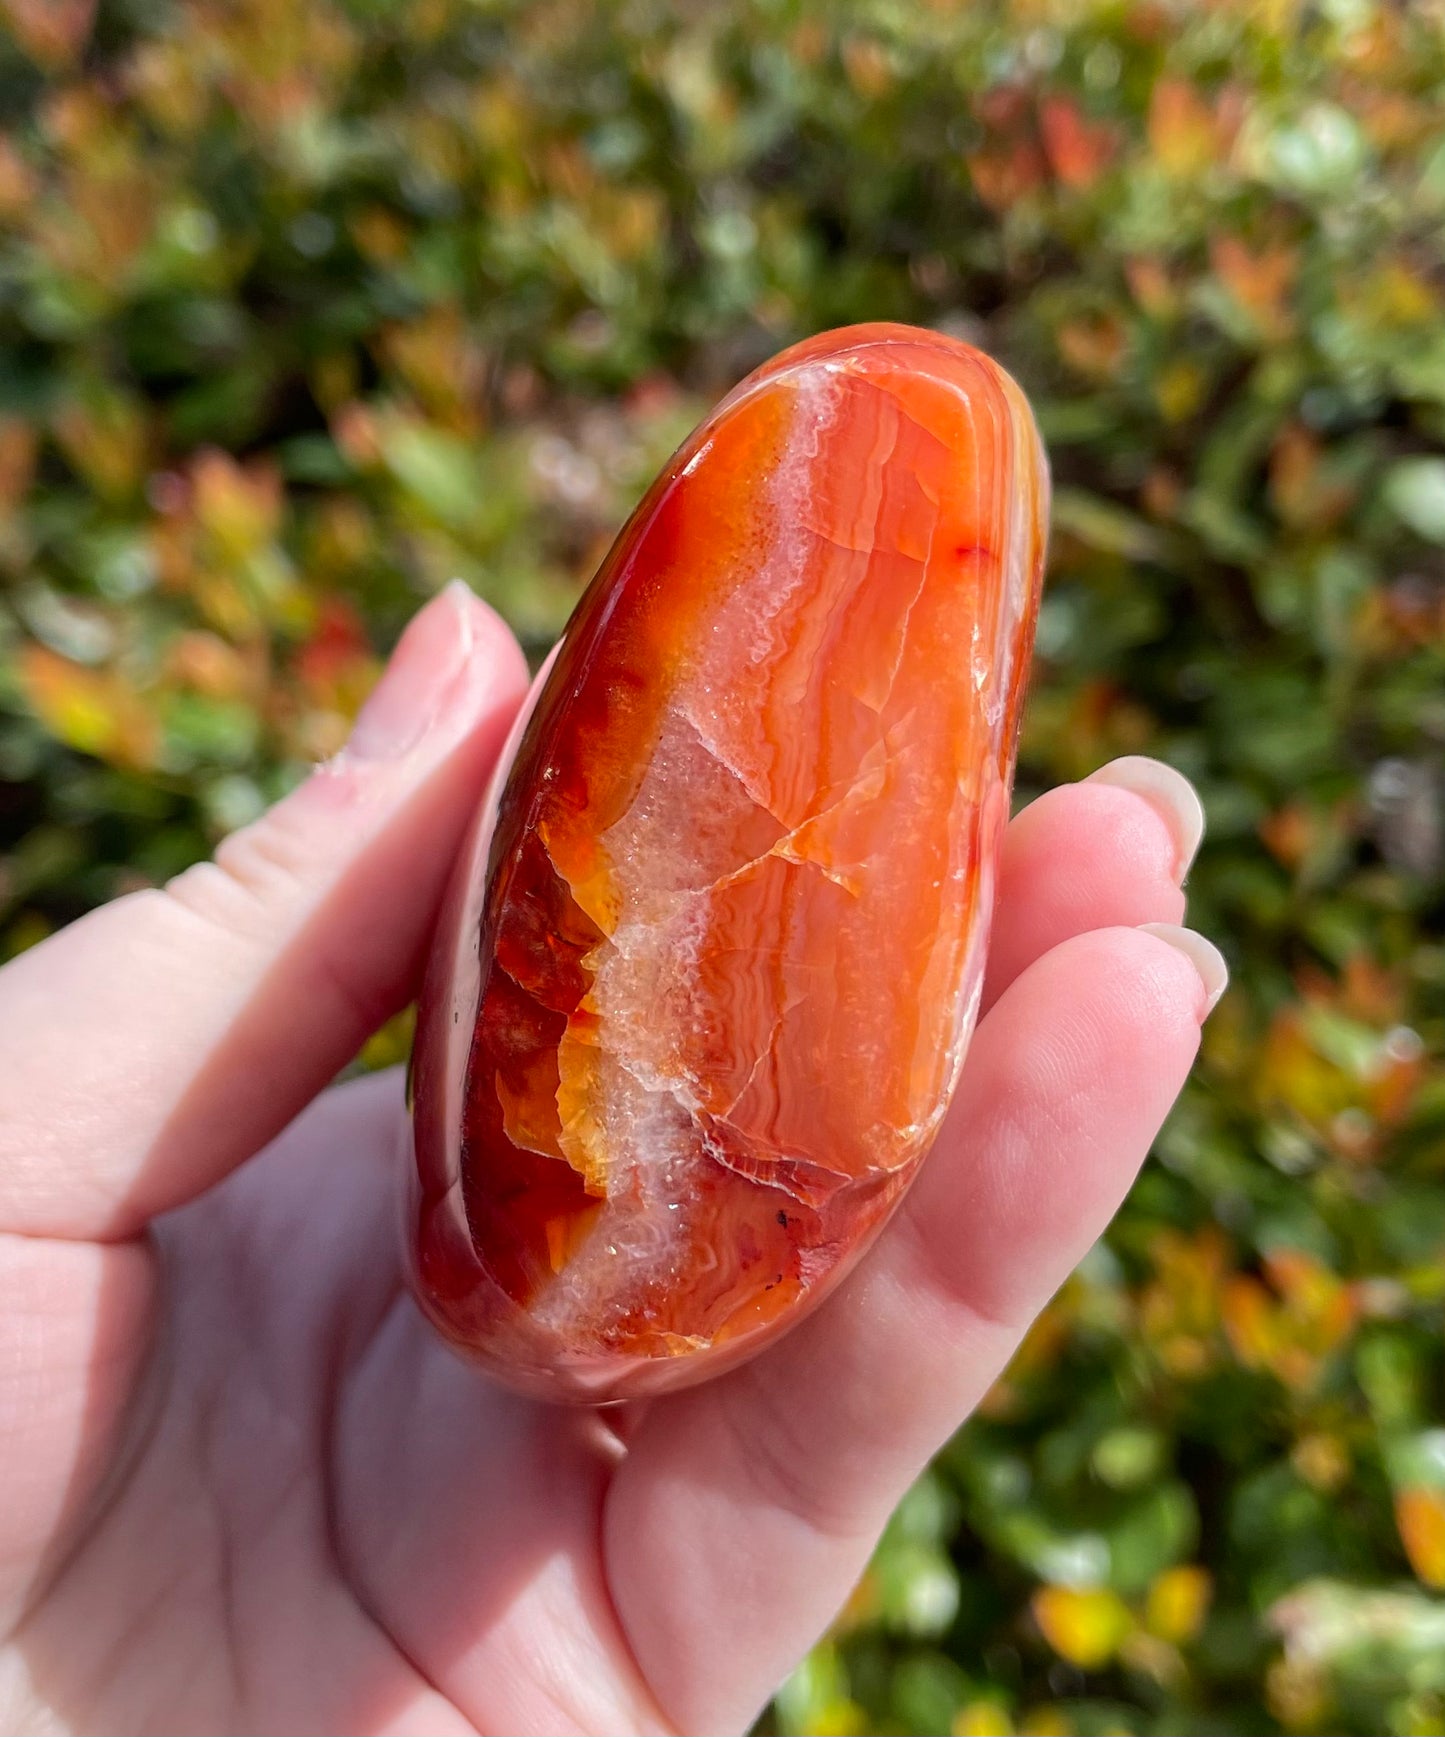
point(247, 1489)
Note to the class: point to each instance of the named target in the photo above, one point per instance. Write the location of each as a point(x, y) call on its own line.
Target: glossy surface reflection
point(702, 991)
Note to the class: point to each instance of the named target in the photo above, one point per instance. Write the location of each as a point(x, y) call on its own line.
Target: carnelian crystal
point(708, 967)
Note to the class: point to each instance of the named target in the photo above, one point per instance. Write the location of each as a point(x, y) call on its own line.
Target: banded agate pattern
point(709, 967)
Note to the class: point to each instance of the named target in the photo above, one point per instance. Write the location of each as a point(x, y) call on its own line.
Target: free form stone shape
point(709, 965)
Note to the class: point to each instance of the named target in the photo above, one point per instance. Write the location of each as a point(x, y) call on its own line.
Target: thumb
point(159, 1041)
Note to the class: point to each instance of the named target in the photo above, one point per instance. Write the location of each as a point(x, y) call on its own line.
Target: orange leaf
point(17, 459)
point(52, 32)
point(1094, 344)
point(1420, 1516)
point(17, 180)
point(1260, 282)
point(1182, 130)
point(1152, 287)
point(1006, 173)
point(867, 65)
point(1079, 150)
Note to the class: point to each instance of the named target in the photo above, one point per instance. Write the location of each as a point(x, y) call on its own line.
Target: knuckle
point(254, 877)
point(783, 1468)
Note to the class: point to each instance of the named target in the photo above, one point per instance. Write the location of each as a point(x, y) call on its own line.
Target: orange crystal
point(709, 966)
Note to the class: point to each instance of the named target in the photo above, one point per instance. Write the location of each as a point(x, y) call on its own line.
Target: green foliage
point(308, 305)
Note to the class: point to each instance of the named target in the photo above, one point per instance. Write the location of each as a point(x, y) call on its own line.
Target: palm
point(325, 1522)
point(247, 1489)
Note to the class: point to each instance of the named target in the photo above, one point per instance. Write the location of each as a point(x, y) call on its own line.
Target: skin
point(246, 1489)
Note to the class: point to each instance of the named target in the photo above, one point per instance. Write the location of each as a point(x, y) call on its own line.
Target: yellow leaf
point(1321, 1459)
point(1297, 1692)
point(1182, 130)
point(1179, 390)
point(93, 711)
point(1251, 1322)
point(1045, 1722)
point(238, 505)
point(862, 1606)
point(982, 1719)
point(104, 435)
point(1177, 1603)
point(837, 1718)
point(1420, 1516)
point(1085, 1626)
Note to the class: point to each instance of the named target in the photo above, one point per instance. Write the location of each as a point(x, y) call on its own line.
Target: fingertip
point(1079, 858)
point(456, 660)
point(1169, 793)
point(1140, 982)
point(488, 675)
point(1117, 1009)
point(489, 637)
point(1208, 962)
point(1097, 828)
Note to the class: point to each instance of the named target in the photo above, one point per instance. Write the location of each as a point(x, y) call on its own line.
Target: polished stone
point(710, 963)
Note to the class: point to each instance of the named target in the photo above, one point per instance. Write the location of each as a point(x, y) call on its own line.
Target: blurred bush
point(307, 306)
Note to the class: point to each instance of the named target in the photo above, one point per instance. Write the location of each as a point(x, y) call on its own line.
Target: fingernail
point(1170, 793)
point(1203, 955)
point(418, 680)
